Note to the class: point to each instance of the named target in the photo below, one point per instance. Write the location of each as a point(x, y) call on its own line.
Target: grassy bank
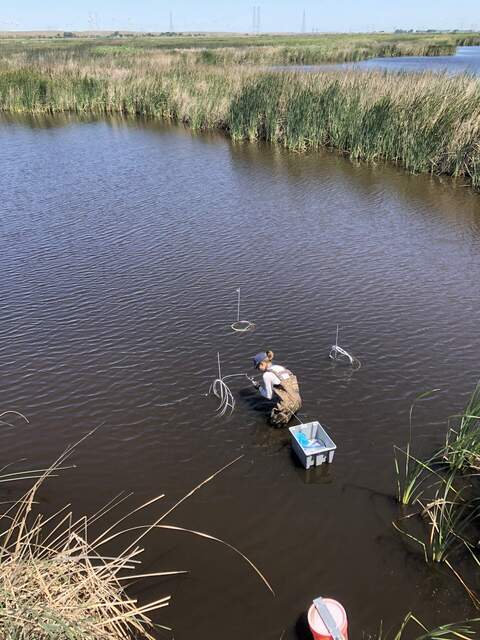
point(425, 123)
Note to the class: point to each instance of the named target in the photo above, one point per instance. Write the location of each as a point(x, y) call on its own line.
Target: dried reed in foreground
point(56, 584)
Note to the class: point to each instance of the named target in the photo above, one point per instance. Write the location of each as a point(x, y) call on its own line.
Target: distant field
point(243, 49)
point(213, 40)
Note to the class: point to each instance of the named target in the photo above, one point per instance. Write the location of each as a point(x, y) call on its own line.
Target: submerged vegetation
point(425, 122)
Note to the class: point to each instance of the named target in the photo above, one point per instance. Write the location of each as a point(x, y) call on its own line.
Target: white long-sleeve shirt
point(271, 378)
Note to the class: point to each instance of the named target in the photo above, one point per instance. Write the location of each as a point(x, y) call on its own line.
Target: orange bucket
point(318, 627)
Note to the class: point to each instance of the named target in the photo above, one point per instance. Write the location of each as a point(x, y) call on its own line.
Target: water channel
point(122, 246)
point(465, 60)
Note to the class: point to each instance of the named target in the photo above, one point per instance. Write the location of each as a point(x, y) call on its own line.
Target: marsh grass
point(259, 49)
point(59, 582)
point(411, 478)
point(415, 473)
point(449, 518)
point(444, 494)
point(423, 122)
point(453, 631)
point(462, 448)
point(448, 522)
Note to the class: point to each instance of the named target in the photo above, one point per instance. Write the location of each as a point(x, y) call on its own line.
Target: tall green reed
point(452, 631)
point(462, 448)
point(423, 122)
point(411, 479)
point(442, 489)
point(417, 122)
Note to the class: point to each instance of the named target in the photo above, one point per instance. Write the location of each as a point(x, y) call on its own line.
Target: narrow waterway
point(122, 247)
point(465, 60)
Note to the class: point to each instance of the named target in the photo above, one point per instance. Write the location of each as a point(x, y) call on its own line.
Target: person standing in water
point(279, 385)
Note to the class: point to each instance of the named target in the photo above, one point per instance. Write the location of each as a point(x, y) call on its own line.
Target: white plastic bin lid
point(336, 610)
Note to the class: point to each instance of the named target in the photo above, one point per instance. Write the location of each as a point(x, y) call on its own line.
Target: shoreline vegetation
point(422, 122)
point(60, 580)
point(439, 497)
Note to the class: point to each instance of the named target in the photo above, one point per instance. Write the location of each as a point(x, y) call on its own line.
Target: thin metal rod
point(238, 308)
point(336, 339)
point(219, 370)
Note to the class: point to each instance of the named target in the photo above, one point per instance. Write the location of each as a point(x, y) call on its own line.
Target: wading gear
point(289, 401)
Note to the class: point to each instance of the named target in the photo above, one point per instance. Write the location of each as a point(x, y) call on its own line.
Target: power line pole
point(304, 22)
point(258, 19)
point(171, 22)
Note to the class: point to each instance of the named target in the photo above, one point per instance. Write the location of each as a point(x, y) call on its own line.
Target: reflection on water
point(465, 60)
point(122, 246)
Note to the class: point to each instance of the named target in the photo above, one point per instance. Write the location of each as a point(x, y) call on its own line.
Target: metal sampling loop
point(241, 325)
point(221, 390)
point(336, 353)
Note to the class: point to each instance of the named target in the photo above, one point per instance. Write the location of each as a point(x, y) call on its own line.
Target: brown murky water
point(122, 247)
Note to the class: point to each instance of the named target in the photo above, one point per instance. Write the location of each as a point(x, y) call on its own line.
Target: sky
point(237, 15)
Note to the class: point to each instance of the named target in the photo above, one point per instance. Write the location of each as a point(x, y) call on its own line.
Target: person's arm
point(267, 389)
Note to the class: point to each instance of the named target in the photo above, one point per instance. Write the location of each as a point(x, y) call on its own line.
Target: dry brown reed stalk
point(57, 584)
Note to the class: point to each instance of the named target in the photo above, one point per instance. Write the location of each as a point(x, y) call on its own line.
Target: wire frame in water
point(221, 390)
point(226, 400)
point(340, 355)
point(337, 353)
point(241, 326)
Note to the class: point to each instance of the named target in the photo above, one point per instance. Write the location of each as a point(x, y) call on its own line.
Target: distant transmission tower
point(304, 22)
point(171, 22)
point(256, 20)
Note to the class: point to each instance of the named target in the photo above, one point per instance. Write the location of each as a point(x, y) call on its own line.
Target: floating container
point(327, 620)
point(312, 444)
